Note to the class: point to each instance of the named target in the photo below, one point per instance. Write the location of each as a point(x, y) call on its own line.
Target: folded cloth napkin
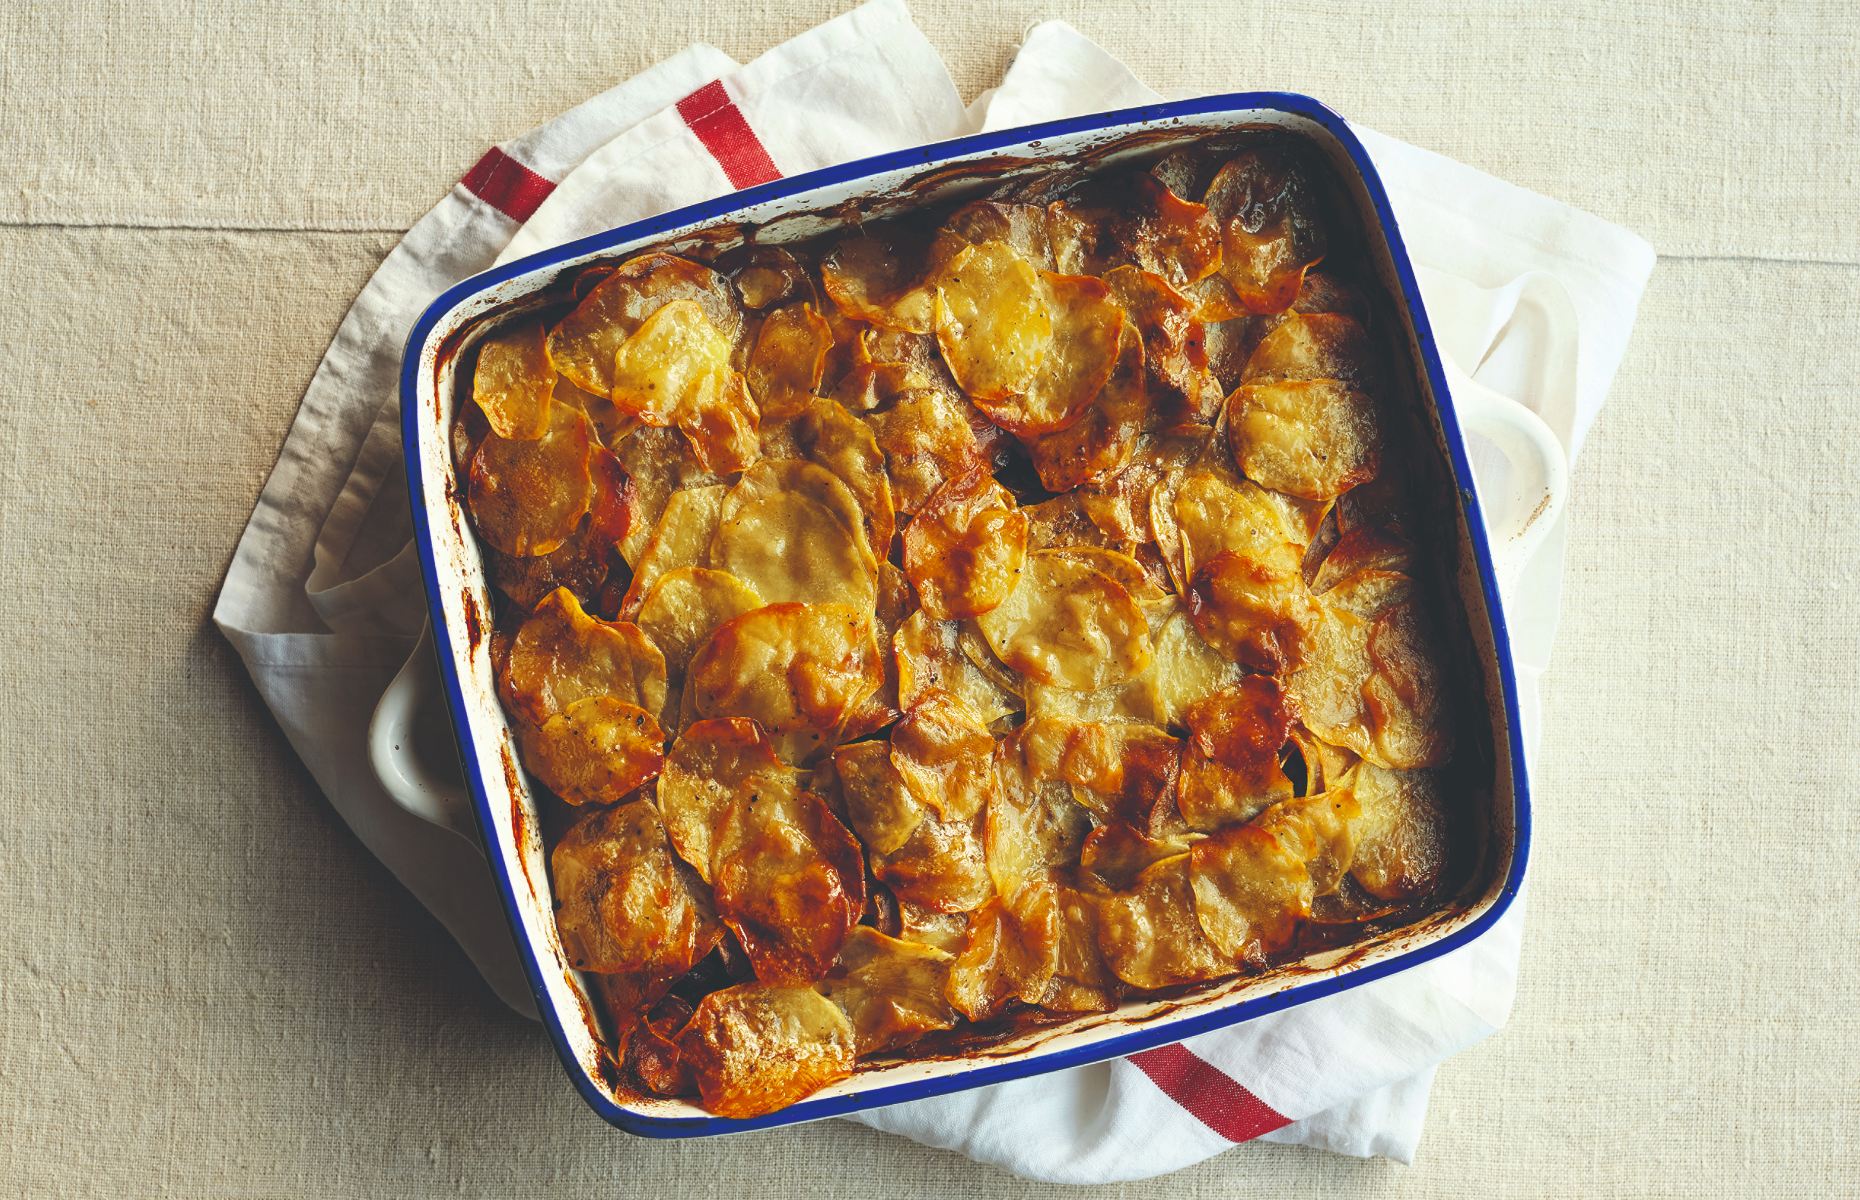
point(323, 600)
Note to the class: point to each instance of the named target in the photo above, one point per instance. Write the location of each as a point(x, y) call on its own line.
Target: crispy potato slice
point(1250, 889)
point(1327, 684)
point(528, 497)
point(683, 538)
point(1400, 832)
point(623, 906)
point(992, 322)
point(1034, 824)
point(1120, 771)
point(1215, 515)
point(830, 437)
point(944, 755)
point(882, 707)
point(789, 882)
point(926, 441)
point(1404, 698)
point(941, 867)
point(1175, 353)
point(772, 274)
point(710, 766)
point(596, 750)
point(788, 361)
point(963, 552)
point(795, 533)
point(560, 655)
point(513, 384)
point(1088, 328)
point(1321, 830)
point(930, 657)
point(1314, 439)
point(1129, 574)
point(880, 282)
point(1024, 227)
point(582, 563)
point(880, 808)
point(1114, 855)
point(1230, 770)
point(1314, 346)
point(648, 1052)
point(684, 607)
point(1254, 608)
point(1068, 625)
point(659, 462)
point(792, 667)
point(584, 344)
point(670, 364)
point(1271, 233)
point(1011, 953)
point(1362, 550)
point(891, 990)
point(1149, 934)
point(1101, 442)
point(754, 1048)
point(1081, 981)
point(1174, 238)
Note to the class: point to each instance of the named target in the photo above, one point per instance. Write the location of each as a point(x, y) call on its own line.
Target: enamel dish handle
point(431, 791)
point(1518, 520)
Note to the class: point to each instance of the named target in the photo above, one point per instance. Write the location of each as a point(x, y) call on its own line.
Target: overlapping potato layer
point(961, 623)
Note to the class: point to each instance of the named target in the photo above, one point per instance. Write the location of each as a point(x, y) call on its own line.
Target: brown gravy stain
point(474, 620)
point(519, 819)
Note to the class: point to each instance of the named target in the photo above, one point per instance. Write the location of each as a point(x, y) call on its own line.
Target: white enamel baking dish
point(501, 810)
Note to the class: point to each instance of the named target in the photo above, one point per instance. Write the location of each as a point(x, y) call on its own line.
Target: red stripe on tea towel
point(719, 124)
point(1210, 1096)
point(507, 185)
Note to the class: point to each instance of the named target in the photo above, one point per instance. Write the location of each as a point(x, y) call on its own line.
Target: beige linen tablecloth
point(207, 987)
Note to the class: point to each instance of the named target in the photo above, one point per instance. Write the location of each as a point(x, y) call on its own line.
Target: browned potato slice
point(560, 655)
point(829, 436)
point(528, 497)
point(624, 907)
point(754, 1048)
point(1175, 353)
point(891, 990)
point(795, 533)
point(930, 657)
point(1068, 625)
point(1149, 935)
point(1176, 239)
point(1320, 830)
point(1270, 229)
point(684, 607)
point(1400, 832)
point(881, 809)
point(584, 344)
point(1081, 982)
point(596, 750)
point(659, 462)
point(1011, 953)
point(648, 1052)
point(581, 564)
point(789, 881)
point(1250, 889)
point(1405, 696)
point(682, 539)
point(670, 364)
point(926, 441)
point(1124, 772)
point(963, 551)
point(792, 667)
point(1088, 328)
point(1231, 771)
point(1114, 855)
point(711, 766)
point(1215, 515)
point(789, 358)
point(1033, 824)
point(941, 867)
point(1254, 608)
point(1314, 346)
point(513, 384)
point(945, 756)
point(1315, 439)
point(880, 282)
point(1101, 442)
point(1021, 226)
point(993, 322)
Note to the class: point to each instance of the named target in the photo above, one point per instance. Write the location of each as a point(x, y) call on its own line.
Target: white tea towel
point(323, 601)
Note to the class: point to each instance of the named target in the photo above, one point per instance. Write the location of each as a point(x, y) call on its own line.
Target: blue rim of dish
point(1163, 1032)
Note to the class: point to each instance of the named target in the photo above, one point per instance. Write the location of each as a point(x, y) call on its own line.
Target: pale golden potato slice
point(1314, 346)
point(1230, 770)
point(1081, 981)
point(963, 552)
point(528, 497)
point(789, 880)
point(1120, 771)
point(670, 364)
point(659, 462)
point(1250, 888)
point(584, 344)
point(1068, 625)
point(796, 534)
point(788, 361)
point(596, 750)
point(583, 562)
point(771, 275)
point(946, 931)
point(992, 322)
point(709, 766)
point(881, 809)
point(1215, 515)
point(927, 440)
point(1327, 684)
point(1400, 832)
point(1271, 228)
point(1011, 953)
point(1314, 439)
point(684, 607)
point(1034, 825)
point(891, 990)
point(1183, 670)
point(560, 655)
point(1024, 227)
point(623, 906)
point(941, 867)
point(1404, 698)
point(945, 756)
point(1088, 328)
point(930, 657)
point(791, 667)
point(1149, 934)
point(1101, 442)
point(513, 383)
point(754, 1048)
point(830, 437)
point(686, 528)
point(1129, 574)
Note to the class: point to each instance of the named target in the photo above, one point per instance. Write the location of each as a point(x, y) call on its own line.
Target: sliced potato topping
point(941, 867)
point(684, 607)
point(1011, 953)
point(1120, 771)
point(1231, 771)
point(659, 462)
point(1253, 607)
point(754, 1048)
point(993, 322)
point(880, 283)
point(789, 358)
point(1314, 439)
point(596, 750)
point(682, 539)
point(513, 384)
point(891, 990)
point(1314, 346)
point(830, 437)
point(1400, 832)
point(795, 533)
point(882, 810)
point(945, 756)
point(1176, 239)
point(790, 882)
point(670, 364)
point(963, 552)
point(1088, 328)
point(791, 667)
point(1250, 887)
point(930, 657)
point(1068, 625)
point(1149, 933)
point(1101, 442)
point(710, 766)
point(584, 344)
point(926, 441)
point(1404, 697)
point(1270, 233)
point(1034, 824)
point(560, 655)
point(528, 497)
